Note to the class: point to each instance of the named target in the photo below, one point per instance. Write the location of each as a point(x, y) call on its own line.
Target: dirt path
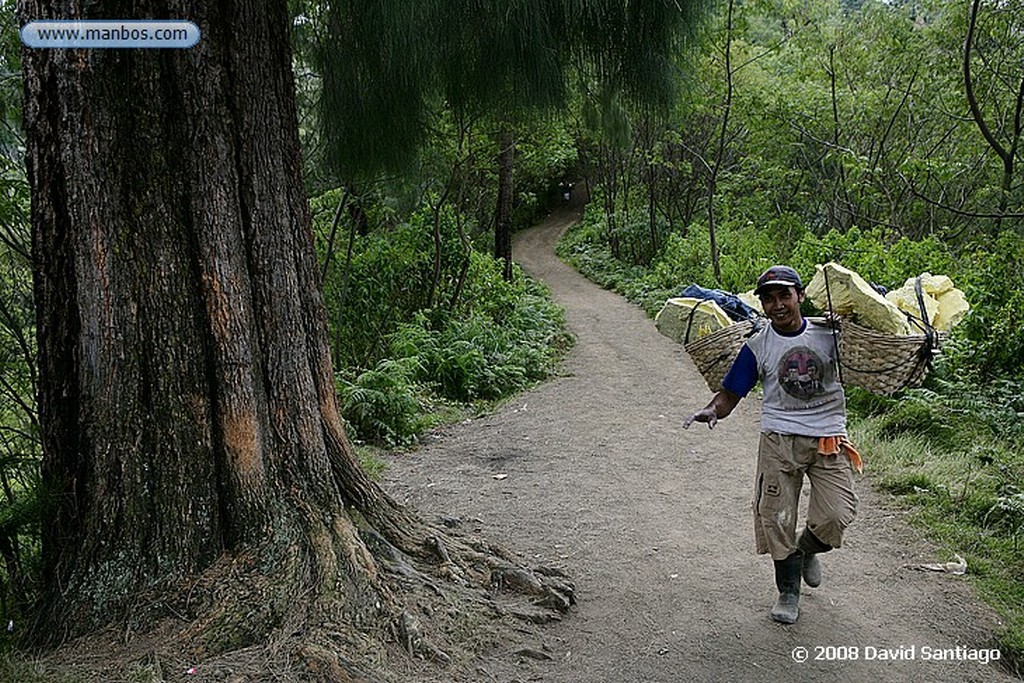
point(654, 525)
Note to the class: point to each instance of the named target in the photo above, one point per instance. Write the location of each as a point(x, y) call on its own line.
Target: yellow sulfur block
point(697, 317)
point(852, 296)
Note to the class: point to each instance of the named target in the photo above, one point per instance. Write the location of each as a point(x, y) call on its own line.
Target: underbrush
point(441, 367)
point(426, 331)
point(17, 667)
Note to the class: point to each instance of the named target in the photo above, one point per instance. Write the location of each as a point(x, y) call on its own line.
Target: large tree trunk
point(187, 398)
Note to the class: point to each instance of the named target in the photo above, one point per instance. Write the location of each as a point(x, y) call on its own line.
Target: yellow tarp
point(674, 318)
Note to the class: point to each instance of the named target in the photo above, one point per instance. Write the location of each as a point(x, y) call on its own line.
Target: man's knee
point(829, 524)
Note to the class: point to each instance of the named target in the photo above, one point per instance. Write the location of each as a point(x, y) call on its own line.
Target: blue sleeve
point(742, 376)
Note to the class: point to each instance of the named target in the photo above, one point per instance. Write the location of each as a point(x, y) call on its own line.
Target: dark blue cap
point(783, 276)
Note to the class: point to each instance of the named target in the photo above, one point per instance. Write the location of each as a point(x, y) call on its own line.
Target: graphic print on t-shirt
point(802, 373)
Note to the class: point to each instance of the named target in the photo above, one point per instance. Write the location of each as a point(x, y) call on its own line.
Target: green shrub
point(989, 343)
point(487, 353)
point(864, 403)
point(919, 414)
point(382, 405)
point(993, 408)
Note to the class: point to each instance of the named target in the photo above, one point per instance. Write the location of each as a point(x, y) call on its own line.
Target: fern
point(382, 405)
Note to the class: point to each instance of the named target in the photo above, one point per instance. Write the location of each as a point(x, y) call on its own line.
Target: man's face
point(782, 306)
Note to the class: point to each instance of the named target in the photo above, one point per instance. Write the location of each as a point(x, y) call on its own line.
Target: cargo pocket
point(769, 493)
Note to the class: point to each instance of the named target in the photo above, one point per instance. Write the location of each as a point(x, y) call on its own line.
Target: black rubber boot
point(787, 580)
point(811, 545)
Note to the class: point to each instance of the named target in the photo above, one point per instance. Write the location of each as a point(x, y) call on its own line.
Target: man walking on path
point(803, 431)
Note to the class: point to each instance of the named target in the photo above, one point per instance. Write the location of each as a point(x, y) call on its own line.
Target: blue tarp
point(730, 303)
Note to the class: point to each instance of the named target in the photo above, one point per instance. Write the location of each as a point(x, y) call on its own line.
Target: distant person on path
point(803, 431)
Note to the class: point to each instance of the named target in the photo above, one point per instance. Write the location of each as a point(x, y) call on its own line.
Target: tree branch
point(972, 99)
point(955, 210)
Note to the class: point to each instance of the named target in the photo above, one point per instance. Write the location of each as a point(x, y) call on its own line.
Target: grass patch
point(24, 668)
point(961, 487)
point(370, 459)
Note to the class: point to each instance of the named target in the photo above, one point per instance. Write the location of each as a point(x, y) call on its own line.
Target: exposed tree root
point(466, 562)
point(468, 574)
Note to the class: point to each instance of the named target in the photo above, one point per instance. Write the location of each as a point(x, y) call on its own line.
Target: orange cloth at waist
point(834, 445)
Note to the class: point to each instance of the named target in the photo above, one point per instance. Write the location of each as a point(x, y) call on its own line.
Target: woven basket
point(714, 353)
point(878, 362)
point(884, 363)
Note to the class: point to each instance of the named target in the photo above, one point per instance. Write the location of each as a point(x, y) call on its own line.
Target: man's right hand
point(709, 415)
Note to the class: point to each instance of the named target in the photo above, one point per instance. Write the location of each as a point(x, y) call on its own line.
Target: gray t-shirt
point(802, 393)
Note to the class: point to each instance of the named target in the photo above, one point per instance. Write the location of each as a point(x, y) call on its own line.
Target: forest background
point(881, 135)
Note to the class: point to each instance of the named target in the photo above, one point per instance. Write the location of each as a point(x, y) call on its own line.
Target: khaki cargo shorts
point(782, 462)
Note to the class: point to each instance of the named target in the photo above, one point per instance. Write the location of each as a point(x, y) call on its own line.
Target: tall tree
point(503, 212)
point(190, 429)
point(716, 167)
